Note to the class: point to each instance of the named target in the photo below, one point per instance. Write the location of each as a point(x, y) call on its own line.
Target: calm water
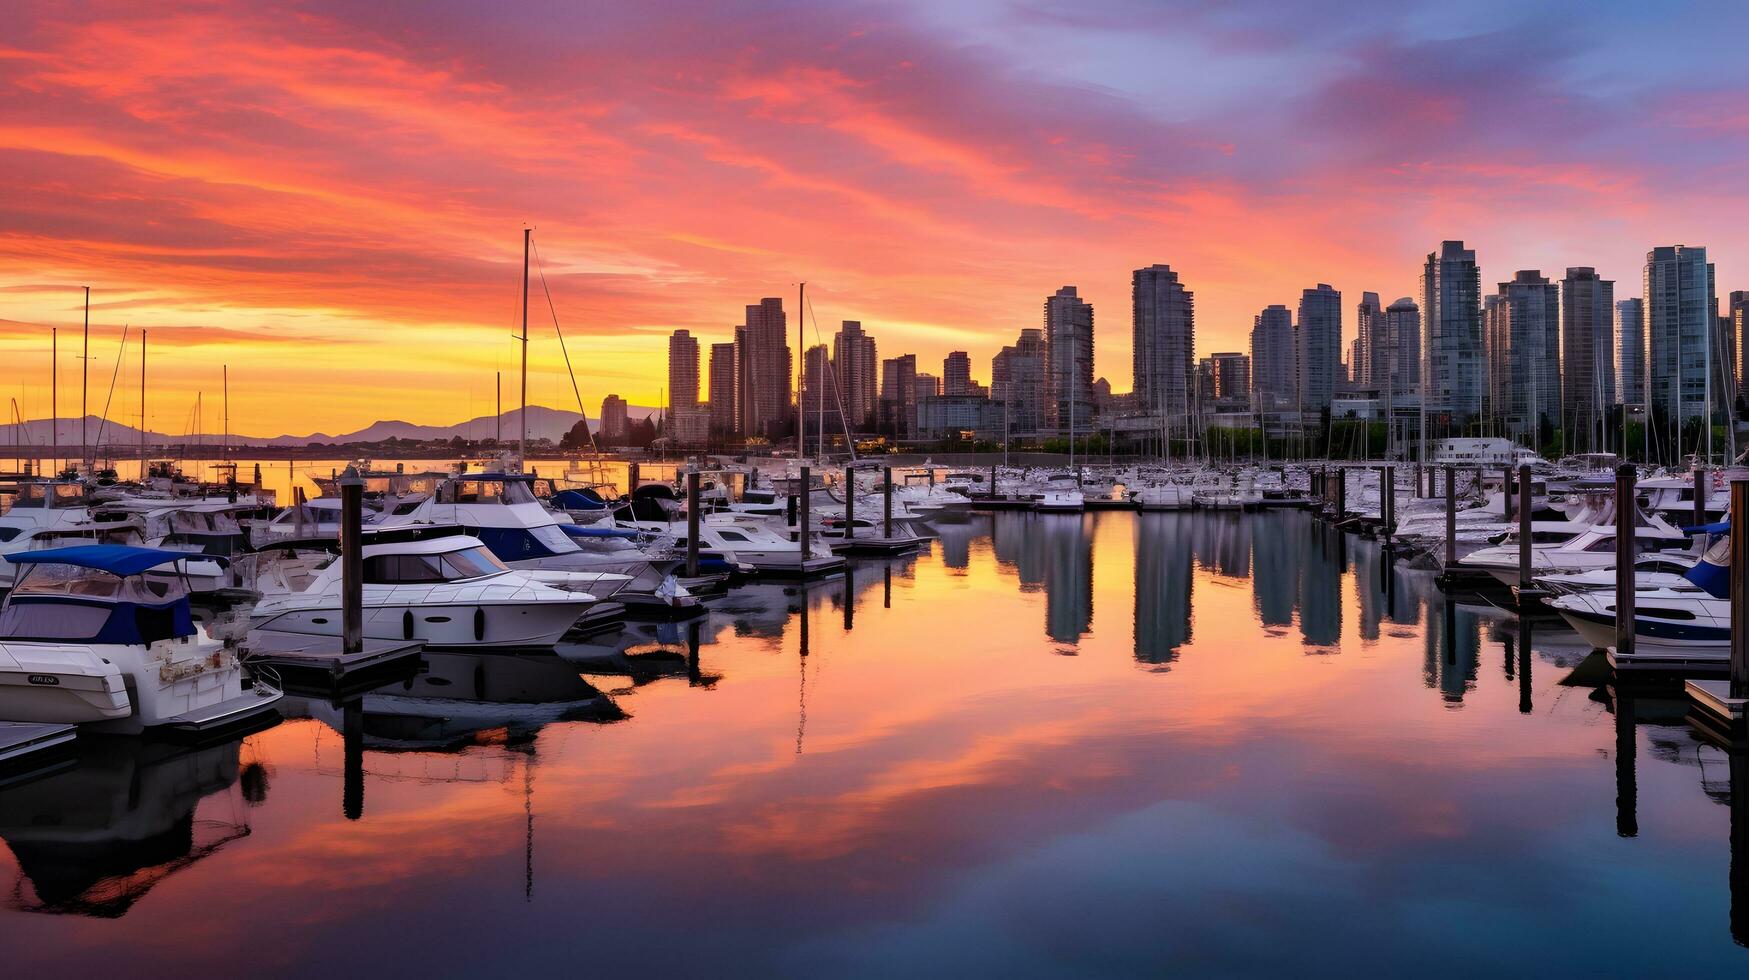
point(1052, 746)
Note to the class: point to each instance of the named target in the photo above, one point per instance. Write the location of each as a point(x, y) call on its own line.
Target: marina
point(1285, 686)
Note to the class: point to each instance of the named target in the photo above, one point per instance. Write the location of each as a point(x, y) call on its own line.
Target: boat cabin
point(97, 594)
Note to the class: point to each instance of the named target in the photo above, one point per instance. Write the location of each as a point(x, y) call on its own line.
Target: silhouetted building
point(899, 395)
point(1068, 328)
point(1017, 380)
point(1587, 354)
point(1318, 340)
point(722, 382)
point(1630, 346)
point(614, 425)
point(682, 370)
point(1368, 362)
point(1163, 341)
point(763, 360)
point(1451, 307)
point(1273, 361)
point(1680, 306)
point(854, 366)
point(1532, 309)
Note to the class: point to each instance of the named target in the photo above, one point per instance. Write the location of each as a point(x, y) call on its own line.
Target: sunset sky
point(329, 197)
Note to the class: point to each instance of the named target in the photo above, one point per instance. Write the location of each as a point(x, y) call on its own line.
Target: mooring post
point(804, 528)
point(849, 502)
point(1739, 589)
point(887, 492)
point(1388, 501)
point(1341, 492)
point(992, 479)
point(931, 471)
point(258, 478)
point(791, 508)
point(1418, 484)
point(351, 561)
point(1700, 495)
point(1450, 523)
point(298, 512)
point(1525, 582)
point(1506, 491)
point(692, 506)
point(631, 478)
point(1624, 560)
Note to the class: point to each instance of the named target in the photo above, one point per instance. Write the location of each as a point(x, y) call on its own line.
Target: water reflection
point(1163, 585)
point(890, 771)
point(95, 839)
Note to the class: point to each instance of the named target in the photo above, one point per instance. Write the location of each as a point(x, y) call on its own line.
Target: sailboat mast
point(85, 379)
point(498, 406)
point(226, 377)
point(522, 414)
point(142, 404)
point(54, 394)
point(801, 375)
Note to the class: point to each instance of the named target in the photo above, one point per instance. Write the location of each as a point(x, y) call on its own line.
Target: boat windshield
point(466, 491)
point(155, 587)
point(48, 495)
point(475, 562)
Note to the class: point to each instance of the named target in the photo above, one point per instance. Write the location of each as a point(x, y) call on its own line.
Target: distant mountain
point(543, 423)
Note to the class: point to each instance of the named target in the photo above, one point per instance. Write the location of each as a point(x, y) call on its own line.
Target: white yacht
point(47, 513)
point(431, 584)
point(1589, 550)
point(103, 634)
point(1061, 494)
point(748, 541)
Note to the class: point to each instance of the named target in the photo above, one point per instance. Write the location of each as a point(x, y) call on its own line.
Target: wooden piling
point(804, 528)
point(1525, 582)
point(1506, 491)
point(849, 502)
point(1624, 560)
point(887, 492)
point(1739, 589)
point(1450, 522)
point(1700, 495)
point(351, 562)
point(692, 516)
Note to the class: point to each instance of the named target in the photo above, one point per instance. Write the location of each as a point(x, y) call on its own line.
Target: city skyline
point(864, 150)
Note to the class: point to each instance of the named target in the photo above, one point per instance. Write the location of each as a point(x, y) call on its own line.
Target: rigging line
point(541, 267)
point(103, 423)
point(837, 395)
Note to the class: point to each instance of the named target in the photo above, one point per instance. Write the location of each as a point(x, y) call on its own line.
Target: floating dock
point(31, 750)
point(318, 664)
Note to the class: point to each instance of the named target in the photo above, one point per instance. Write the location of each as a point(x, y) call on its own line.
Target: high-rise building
point(1273, 363)
point(956, 373)
point(1680, 308)
point(818, 399)
point(1531, 305)
point(1630, 346)
point(1068, 328)
point(927, 386)
point(899, 395)
point(763, 360)
point(682, 369)
point(855, 366)
point(1318, 341)
point(1368, 367)
point(1451, 309)
point(1402, 335)
point(1736, 322)
point(1017, 380)
point(1587, 353)
point(1496, 358)
point(614, 425)
point(1163, 340)
point(1232, 377)
point(722, 384)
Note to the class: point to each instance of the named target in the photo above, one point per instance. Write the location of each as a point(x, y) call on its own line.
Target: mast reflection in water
point(1278, 750)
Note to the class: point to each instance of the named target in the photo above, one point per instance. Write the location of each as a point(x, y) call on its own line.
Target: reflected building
point(1273, 568)
point(1164, 582)
point(1222, 544)
point(1321, 587)
point(1068, 576)
point(1453, 648)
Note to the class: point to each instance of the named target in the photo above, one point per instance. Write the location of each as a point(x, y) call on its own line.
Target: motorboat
point(103, 634)
point(1592, 549)
point(744, 540)
point(437, 585)
point(46, 513)
point(1662, 569)
point(1062, 493)
point(1686, 620)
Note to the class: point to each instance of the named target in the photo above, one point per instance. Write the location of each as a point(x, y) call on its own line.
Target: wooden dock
point(318, 664)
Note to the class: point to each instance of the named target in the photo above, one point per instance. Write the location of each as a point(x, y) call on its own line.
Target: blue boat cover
point(1713, 572)
point(579, 500)
point(1721, 527)
point(116, 559)
point(583, 531)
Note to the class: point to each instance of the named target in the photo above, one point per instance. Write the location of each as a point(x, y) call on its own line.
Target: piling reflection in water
point(890, 771)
